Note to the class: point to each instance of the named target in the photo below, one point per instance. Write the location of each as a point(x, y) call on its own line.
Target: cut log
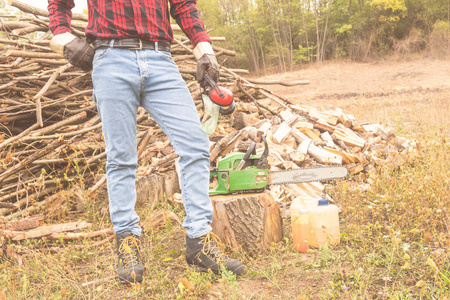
point(251, 222)
point(47, 230)
point(156, 187)
point(23, 224)
point(242, 120)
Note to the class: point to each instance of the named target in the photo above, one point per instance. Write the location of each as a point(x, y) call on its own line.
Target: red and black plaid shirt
point(143, 19)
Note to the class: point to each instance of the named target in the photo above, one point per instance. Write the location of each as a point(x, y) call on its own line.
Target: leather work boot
point(130, 265)
point(205, 253)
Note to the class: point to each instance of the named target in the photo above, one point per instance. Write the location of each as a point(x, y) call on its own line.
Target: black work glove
point(207, 64)
point(79, 53)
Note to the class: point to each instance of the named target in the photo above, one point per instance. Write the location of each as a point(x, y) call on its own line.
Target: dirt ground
point(404, 96)
point(346, 79)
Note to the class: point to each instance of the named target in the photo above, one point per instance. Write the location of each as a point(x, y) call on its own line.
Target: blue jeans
point(124, 80)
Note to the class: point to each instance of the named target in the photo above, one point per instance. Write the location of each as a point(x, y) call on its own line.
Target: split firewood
point(262, 130)
point(284, 129)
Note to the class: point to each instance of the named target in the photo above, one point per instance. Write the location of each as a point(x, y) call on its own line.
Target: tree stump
point(249, 222)
point(156, 187)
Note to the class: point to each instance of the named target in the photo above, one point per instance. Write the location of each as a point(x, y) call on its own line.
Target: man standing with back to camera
point(133, 67)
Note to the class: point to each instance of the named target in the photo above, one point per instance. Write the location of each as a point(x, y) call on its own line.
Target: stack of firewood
point(50, 134)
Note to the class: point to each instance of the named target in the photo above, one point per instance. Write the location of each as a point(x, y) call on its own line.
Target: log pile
point(50, 134)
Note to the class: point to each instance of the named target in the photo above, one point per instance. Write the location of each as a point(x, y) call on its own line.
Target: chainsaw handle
point(247, 154)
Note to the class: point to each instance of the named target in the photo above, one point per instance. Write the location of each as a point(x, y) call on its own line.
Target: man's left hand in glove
point(206, 64)
point(77, 51)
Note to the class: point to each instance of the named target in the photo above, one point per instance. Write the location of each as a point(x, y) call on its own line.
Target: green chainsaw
point(240, 172)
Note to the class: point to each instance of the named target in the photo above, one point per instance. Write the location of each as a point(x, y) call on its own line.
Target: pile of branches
point(51, 139)
point(50, 133)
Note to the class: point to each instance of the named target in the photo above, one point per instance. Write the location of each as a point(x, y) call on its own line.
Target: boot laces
point(211, 244)
point(129, 249)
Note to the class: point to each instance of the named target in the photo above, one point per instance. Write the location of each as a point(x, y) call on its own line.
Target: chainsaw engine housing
point(248, 179)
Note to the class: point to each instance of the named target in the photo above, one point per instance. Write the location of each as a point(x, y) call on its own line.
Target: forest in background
point(281, 34)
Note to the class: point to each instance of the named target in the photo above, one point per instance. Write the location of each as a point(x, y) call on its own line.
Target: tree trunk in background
point(283, 61)
point(291, 48)
point(262, 54)
point(275, 40)
point(306, 35)
point(316, 15)
point(324, 38)
point(253, 49)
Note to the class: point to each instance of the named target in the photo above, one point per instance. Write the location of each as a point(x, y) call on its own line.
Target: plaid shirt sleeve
point(60, 15)
point(185, 13)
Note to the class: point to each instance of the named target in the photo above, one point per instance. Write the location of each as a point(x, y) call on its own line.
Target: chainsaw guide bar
point(307, 175)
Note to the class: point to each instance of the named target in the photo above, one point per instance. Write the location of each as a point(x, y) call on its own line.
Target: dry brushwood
point(50, 133)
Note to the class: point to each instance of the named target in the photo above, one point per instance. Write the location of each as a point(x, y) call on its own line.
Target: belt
point(131, 44)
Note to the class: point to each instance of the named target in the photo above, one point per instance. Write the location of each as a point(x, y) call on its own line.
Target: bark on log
point(251, 222)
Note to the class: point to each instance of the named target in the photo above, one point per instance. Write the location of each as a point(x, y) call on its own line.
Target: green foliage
point(302, 54)
point(284, 32)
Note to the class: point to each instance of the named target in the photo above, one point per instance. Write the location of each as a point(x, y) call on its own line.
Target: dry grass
point(395, 234)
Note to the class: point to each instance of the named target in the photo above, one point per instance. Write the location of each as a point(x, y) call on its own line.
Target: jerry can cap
point(323, 202)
